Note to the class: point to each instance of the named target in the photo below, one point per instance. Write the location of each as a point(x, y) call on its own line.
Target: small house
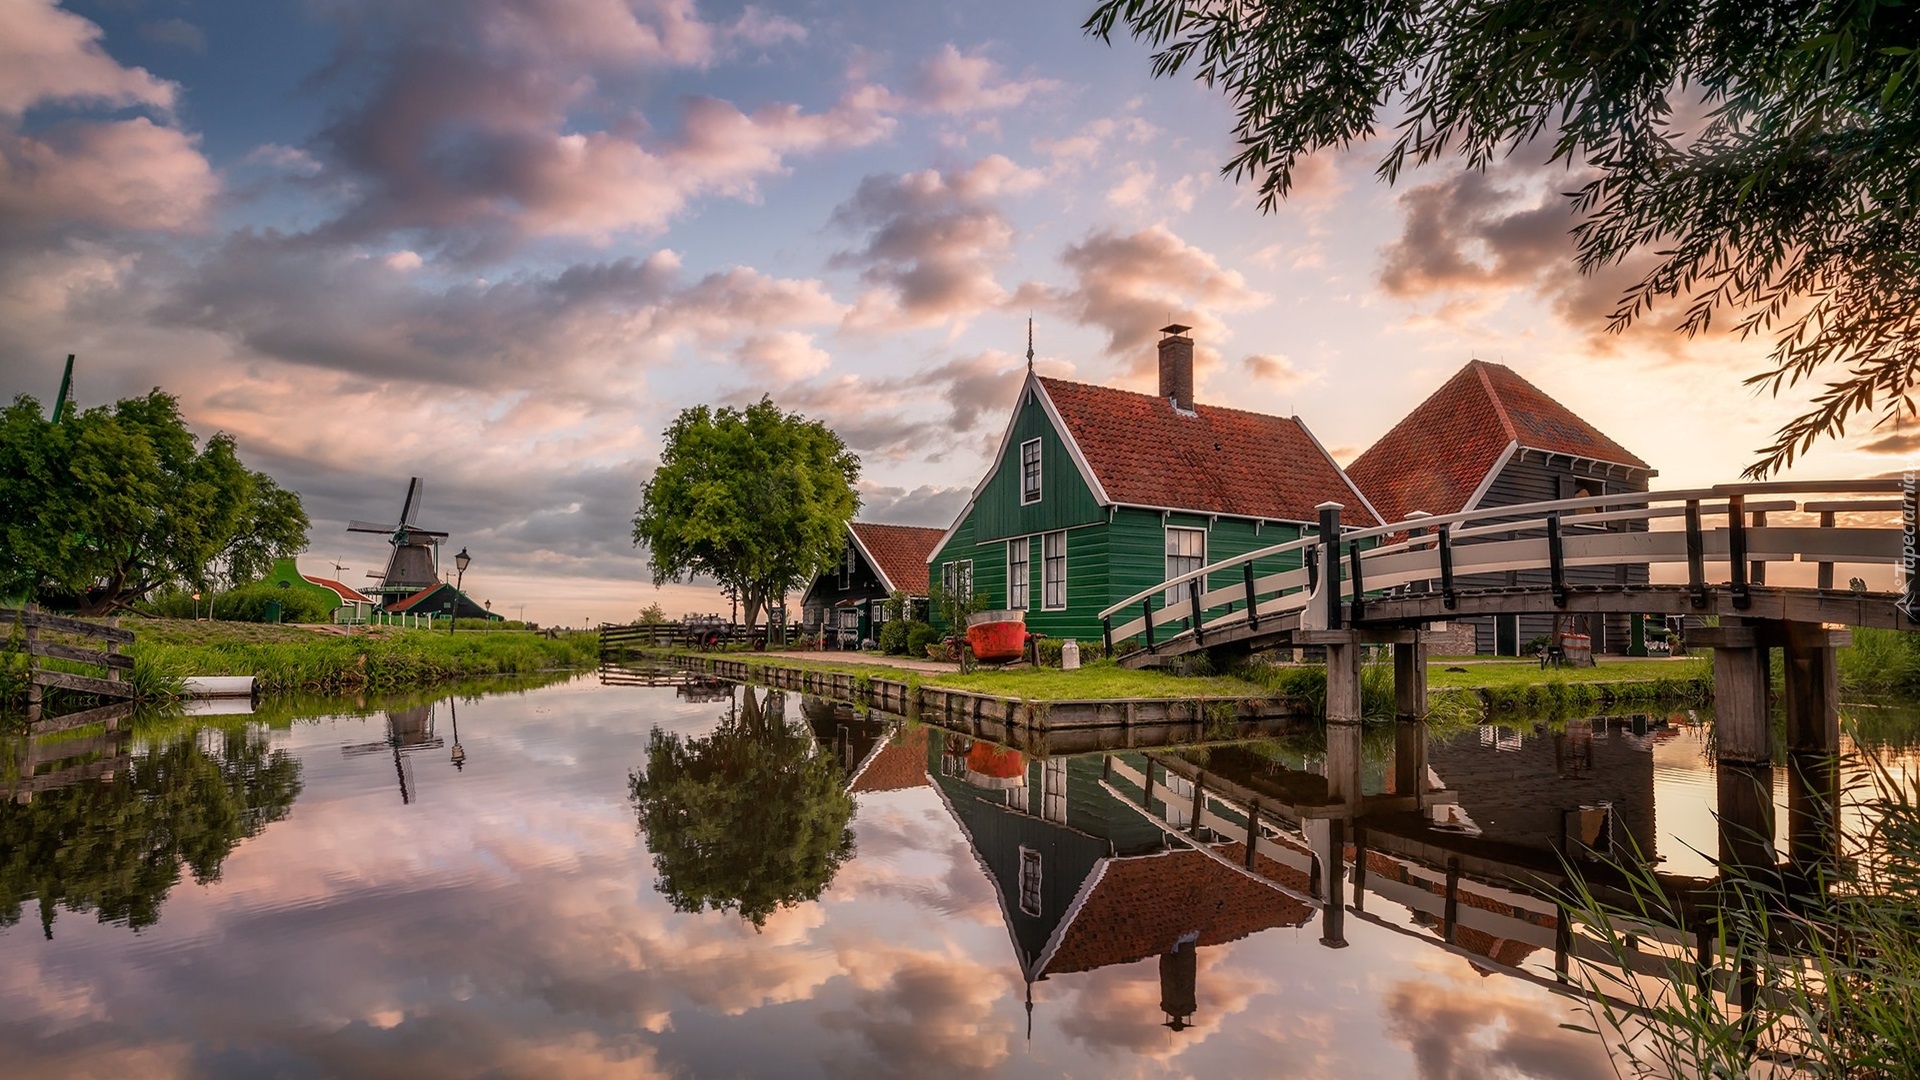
point(1489, 438)
point(846, 605)
point(349, 605)
point(1096, 494)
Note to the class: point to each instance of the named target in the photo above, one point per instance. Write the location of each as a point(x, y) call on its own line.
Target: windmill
point(414, 564)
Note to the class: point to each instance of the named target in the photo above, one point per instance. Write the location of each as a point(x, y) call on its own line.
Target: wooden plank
point(44, 621)
point(82, 683)
point(80, 656)
point(103, 714)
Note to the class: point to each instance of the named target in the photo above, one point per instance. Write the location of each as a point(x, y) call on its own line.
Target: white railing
point(1600, 530)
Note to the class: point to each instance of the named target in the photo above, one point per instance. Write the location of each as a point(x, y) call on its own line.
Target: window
point(1053, 570)
point(1030, 881)
point(1186, 552)
point(879, 612)
point(1018, 574)
point(1030, 472)
point(957, 578)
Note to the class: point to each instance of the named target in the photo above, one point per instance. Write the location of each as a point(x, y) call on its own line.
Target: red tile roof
point(899, 552)
point(1218, 461)
point(1142, 906)
point(345, 592)
point(1437, 456)
point(899, 765)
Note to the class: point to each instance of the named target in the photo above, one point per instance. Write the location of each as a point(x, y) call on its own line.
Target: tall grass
point(1835, 961)
point(1881, 662)
point(375, 662)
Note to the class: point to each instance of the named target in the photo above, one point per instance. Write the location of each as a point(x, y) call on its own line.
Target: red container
point(996, 641)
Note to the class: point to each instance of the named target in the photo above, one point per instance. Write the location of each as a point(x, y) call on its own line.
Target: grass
point(286, 659)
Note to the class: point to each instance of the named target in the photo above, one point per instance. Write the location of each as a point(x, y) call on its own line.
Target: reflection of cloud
point(923, 1012)
point(1117, 1008)
point(1467, 1030)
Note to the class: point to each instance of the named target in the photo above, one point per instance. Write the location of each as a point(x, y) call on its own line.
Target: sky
point(500, 244)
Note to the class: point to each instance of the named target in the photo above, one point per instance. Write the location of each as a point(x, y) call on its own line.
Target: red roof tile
point(1435, 458)
point(1218, 461)
point(899, 552)
point(1142, 906)
point(345, 592)
point(899, 765)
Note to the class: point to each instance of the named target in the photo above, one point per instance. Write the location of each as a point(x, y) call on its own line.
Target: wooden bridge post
point(1812, 691)
point(1410, 680)
point(1741, 732)
point(1344, 763)
point(1410, 759)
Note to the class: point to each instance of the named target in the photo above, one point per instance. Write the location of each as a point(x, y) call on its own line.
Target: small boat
point(997, 637)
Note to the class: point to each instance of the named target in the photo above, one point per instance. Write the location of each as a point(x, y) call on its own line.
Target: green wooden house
point(1096, 494)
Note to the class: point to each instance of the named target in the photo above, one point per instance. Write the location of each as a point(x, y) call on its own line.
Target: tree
point(757, 499)
point(108, 505)
point(653, 615)
point(750, 818)
point(1791, 206)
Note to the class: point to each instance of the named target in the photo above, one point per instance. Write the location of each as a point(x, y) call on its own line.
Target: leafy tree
point(757, 499)
point(112, 503)
point(1791, 205)
point(653, 615)
point(749, 818)
point(117, 846)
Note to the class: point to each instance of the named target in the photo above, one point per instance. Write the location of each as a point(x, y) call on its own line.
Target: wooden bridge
point(1342, 589)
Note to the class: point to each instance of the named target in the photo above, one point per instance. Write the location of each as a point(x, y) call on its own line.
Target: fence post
point(35, 695)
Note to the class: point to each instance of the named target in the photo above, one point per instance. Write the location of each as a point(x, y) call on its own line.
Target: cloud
point(72, 173)
point(1129, 285)
point(888, 416)
point(933, 243)
point(1482, 1031)
point(1898, 443)
point(178, 33)
point(1278, 370)
point(52, 56)
point(510, 119)
point(957, 83)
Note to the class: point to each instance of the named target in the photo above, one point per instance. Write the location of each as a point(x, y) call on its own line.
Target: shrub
point(247, 603)
point(893, 637)
point(919, 636)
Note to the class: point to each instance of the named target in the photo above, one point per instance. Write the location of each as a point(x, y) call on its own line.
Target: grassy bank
point(286, 659)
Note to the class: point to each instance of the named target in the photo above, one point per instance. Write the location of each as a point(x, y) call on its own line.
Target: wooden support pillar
point(1813, 824)
point(1812, 688)
point(1344, 763)
point(1328, 839)
point(1410, 758)
point(1344, 704)
point(1410, 681)
point(1745, 816)
point(1742, 732)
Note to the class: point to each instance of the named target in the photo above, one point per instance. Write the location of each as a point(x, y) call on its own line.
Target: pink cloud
point(131, 174)
point(957, 83)
point(51, 55)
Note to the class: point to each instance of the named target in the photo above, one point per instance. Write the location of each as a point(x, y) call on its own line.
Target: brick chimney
point(1176, 366)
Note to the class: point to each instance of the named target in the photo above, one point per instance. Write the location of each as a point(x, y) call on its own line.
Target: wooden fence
point(107, 658)
point(617, 638)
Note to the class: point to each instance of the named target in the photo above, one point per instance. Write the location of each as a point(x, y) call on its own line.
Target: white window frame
point(1020, 581)
point(1026, 498)
point(957, 576)
point(1047, 583)
point(1178, 594)
point(1030, 883)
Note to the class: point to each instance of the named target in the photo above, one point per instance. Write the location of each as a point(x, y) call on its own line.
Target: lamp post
point(460, 563)
point(459, 756)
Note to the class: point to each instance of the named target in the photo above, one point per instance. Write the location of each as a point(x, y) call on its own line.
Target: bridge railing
point(1728, 524)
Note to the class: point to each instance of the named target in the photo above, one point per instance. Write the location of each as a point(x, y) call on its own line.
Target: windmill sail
point(414, 564)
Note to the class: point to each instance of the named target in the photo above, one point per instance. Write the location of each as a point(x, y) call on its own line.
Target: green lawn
point(1505, 673)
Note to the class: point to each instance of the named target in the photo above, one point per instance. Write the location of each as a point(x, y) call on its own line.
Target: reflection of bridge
point(1344, 589)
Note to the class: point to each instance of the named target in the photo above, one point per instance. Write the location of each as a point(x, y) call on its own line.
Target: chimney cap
point(1175, 328)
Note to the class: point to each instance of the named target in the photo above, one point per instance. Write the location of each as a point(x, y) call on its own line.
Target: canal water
point(586, 880)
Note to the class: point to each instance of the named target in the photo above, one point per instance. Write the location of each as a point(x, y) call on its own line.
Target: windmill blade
point(369, 526)
point(412, 505)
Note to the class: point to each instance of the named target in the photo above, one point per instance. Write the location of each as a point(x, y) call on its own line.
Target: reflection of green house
point(347, 603)
point(1096, 494)
point(1086, 881)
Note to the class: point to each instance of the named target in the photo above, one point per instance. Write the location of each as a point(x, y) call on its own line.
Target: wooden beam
point(80, 656)
point(44, 621)
point(81, 683)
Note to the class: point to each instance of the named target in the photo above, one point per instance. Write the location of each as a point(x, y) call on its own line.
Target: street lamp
point(460, 563)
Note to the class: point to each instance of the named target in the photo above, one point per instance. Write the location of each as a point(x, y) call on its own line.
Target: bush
point(919, 636)
point(893, 637)
point(248, 603)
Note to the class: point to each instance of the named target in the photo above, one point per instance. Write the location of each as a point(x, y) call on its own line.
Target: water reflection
point(92, 825)
point(751, 817)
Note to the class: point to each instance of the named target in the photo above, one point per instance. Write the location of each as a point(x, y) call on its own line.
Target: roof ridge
point(1499, 407)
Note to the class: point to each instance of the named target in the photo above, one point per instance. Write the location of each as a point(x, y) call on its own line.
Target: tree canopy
point(104, 507)
point(757, 499)
point(1792, 206)
point(749, 818)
